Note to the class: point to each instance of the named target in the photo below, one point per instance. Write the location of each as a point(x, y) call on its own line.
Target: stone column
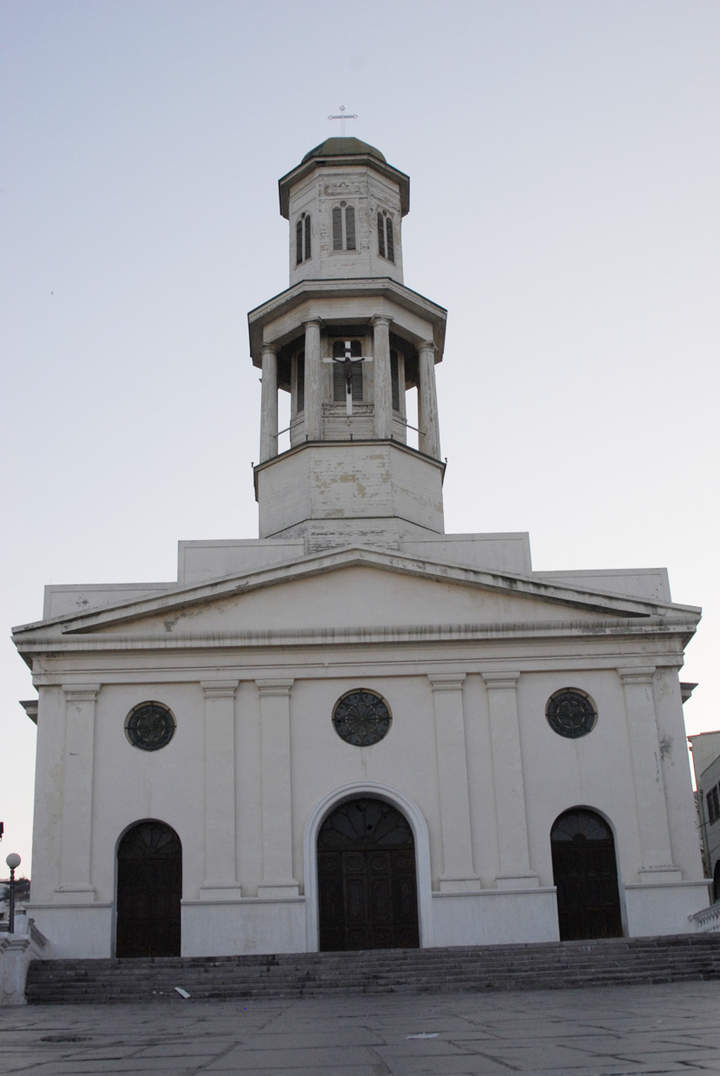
point(220, 803)
point(313, 381)
point(275, 789)
point(458, 873)
point(78, 775)
point(429, 437)
point(269, 406)
point(508, 782)
point(382, 393)
point(651, 805)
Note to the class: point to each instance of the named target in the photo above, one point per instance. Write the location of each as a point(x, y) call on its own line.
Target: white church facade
point(357, 730)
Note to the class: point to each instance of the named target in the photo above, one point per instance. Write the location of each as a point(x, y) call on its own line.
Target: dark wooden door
point(149, 888)
point(585, 873)
point(366, 878)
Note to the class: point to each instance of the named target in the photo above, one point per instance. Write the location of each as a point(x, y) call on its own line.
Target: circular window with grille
point(570, 713)
point(150, 726)
point(361, 718)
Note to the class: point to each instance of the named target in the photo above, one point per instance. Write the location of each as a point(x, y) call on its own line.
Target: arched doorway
point(366, 878)
point(585, 874)
point(149, 888)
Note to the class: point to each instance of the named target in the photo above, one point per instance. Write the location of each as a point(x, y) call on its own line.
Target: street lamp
point(13, 862)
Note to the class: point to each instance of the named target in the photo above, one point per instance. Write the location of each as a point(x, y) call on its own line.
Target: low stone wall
point(707, 920)
point(16, 952)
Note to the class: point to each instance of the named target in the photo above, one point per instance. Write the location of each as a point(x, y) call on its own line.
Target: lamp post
point(13, 862)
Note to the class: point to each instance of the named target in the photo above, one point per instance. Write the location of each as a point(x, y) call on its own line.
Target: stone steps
point(481, 968)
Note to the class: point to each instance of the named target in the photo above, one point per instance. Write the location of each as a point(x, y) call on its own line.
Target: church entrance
point(149, 888)
point(585, 873)
point(366, 878)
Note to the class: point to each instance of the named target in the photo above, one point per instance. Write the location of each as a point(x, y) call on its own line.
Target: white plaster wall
point(663, 909)
point(649, 583)
point(495, 917)
point(84, 931)
point(353, 481)
point(684, 836)
point(201, 561)
point(592, 771)
point(249, 926)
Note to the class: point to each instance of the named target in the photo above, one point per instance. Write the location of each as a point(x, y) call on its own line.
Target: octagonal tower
point(347, 340)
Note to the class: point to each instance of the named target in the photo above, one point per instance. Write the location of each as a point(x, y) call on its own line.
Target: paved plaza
point(611, 1030)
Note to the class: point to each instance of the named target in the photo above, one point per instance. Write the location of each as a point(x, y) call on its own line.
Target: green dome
point(344, 147)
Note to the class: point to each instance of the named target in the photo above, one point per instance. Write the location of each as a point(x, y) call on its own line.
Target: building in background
point(705, 748)
point(357, 730)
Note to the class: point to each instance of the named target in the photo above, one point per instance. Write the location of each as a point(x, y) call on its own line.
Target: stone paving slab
point(603, 1031)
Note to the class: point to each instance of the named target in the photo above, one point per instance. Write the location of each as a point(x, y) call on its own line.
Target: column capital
point(313, 321)
point(269, 349)
point(640, 674)
point(268, 688)
point(81, 692)
point(446, 682)
point(427, 345)
point(219, 689)
point(501, 681)
point(380, 319)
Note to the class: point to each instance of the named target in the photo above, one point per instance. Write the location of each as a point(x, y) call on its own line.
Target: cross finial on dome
point(342, 115)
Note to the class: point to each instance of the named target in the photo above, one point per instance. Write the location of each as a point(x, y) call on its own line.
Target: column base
point(221, 891)
point(279, 889)
point(659, 875)
point(517, 881)
point(76, 894)
point(459, 885)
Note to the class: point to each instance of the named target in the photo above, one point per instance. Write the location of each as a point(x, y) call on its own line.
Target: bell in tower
point(347, 340)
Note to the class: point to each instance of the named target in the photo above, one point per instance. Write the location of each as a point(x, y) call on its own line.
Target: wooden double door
point(149, 889)
point(585, 874)
point(366, 878)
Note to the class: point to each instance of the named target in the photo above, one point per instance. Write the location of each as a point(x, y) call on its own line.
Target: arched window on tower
point(302, 239)
point(386, 236)
point(343, 227)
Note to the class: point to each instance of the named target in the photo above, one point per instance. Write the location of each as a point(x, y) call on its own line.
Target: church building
point(356, 730)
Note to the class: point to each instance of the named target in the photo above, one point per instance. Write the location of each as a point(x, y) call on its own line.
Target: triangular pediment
point(359, 593)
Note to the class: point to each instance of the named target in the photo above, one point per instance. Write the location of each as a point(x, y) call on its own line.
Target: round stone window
point(571, 713)
point(361, 718)
point(150, 726)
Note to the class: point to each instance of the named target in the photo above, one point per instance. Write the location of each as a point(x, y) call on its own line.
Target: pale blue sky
point(564, 168)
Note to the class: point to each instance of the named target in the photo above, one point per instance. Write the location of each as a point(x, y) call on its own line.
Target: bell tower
point(347, 340)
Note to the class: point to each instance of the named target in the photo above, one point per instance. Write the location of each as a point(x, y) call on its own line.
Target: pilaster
point(508, 782)
point(78, 777)
point(382, 391)
point(220, 798)
point(313, 381)
point(458, 874)
point(428, 421)
point(269, 406)
point(276, 789)
point(651, 805)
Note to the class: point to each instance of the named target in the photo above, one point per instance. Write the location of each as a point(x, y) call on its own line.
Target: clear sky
point(565, 168)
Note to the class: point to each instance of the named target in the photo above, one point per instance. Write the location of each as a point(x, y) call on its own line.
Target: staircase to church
point(380, 971)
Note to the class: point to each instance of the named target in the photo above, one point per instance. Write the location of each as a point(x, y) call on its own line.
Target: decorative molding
point(270, 688)
point(81, 692)
point(640, 675)
point(501, 681)
point(446, 681)
point(219, 689)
